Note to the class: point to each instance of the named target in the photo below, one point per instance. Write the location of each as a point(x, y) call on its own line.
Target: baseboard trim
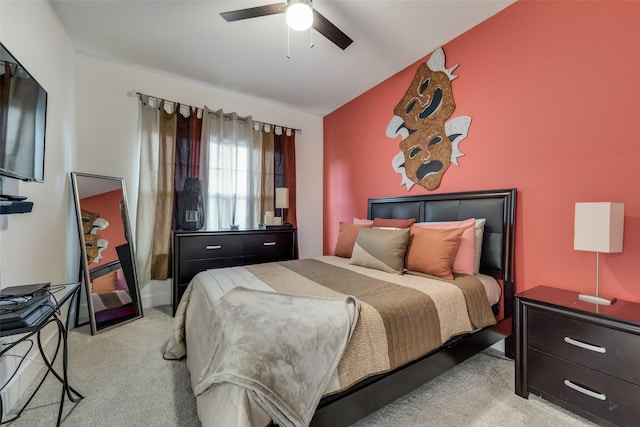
point(154, 293)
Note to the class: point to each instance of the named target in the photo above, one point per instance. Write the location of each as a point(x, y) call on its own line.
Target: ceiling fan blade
point(330, 31)
point(254, 12)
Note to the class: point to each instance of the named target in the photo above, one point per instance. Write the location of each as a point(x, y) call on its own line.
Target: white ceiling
point(188, 38)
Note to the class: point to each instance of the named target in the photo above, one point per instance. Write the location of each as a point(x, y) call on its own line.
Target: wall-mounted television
point(23, 118)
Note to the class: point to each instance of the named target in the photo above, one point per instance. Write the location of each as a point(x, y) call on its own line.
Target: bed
point(365, 365)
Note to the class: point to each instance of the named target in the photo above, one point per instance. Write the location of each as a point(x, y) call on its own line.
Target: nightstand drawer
point(599, 394)
point(207, 247)
point(598, 347)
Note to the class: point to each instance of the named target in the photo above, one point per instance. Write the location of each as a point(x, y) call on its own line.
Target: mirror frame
point(84, 263)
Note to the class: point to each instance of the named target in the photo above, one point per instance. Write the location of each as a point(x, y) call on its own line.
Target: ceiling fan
point(320, 23)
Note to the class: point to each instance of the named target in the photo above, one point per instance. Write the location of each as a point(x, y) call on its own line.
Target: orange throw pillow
point(432, 251)
point(105, 283)
point(347, 238)
point(464, 261)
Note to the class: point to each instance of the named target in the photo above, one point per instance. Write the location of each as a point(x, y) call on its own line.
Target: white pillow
point(479, 232)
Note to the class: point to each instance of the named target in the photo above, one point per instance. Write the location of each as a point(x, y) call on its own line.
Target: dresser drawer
point(596, 393)
point(194, 252)
point(605, 349)
point(268, 244)
point(210, 246)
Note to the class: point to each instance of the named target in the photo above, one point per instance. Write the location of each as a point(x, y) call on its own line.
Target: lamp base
point(598, 299)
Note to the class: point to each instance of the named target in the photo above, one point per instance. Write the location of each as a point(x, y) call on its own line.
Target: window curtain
point(148, 186)
point(285, 170)
point(170, 153)
point(230, 186)
point(289, 175)
point(187, 155)
point(240, 163)
point(161, 254)
point(267, 191)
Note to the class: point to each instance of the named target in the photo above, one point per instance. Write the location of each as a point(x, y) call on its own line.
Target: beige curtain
point(289, 152)
point(258, 165)
point(237, 169)
point(155, 192)
point(230, 192)
point(267, 192)
point(147, 186)
point(161, 255)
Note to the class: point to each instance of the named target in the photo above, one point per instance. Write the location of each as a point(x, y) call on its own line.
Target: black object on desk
point(59, 295)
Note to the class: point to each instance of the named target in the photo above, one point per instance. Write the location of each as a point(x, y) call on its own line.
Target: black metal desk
point(60, 295)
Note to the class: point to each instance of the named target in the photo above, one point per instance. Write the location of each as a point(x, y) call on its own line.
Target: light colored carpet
point(123, 377)
point(478, 392)
point(127, 383)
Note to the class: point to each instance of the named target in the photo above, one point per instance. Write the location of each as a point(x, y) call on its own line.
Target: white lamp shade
point(299, 15)
point(598, 227)
point(282, 198)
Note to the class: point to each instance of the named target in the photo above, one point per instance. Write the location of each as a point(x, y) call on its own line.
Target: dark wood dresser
point(196, 251)
point(581, 356)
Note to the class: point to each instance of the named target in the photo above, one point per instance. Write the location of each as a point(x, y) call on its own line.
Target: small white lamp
point(598, 227)
point(282, 200)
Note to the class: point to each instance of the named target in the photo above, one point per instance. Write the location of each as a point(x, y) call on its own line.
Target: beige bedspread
point(402, 317)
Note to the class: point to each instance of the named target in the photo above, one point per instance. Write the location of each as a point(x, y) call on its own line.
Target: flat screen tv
point(23, 114)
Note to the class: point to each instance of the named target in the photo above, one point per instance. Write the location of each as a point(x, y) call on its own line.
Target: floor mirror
point(108, 261)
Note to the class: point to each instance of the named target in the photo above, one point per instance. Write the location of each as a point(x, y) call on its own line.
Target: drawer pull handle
point(584, 345)
point(269, 243)
point(210, 247)
point(586, 391)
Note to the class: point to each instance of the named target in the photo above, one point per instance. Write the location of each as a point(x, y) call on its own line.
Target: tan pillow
point(381, 249)
point(362, 221)
point(347, 238)
point(432, 250)
point(105, 283)
point(393, 223)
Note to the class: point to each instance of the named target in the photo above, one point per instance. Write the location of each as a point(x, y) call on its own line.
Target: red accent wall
point(553, 91)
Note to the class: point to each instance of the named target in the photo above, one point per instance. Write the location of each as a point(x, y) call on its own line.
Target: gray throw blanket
point(281, 348)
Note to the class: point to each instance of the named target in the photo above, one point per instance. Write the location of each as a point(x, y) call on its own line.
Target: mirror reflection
point(107, 252)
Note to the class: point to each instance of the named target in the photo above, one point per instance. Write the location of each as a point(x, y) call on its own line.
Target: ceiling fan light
point(299, 16)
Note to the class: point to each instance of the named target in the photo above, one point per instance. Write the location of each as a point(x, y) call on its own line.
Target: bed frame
point(498, 207)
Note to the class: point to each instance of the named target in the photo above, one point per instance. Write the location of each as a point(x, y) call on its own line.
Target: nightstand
point(581, 356)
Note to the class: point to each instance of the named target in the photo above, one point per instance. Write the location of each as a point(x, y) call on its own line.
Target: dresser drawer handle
point(269, 243)
point(210, 247)
point(584, 345)
point(586, 391)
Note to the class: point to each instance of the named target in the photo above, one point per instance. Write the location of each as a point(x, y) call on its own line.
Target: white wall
point(92, 127)
point(38, 246)
point(107, 127)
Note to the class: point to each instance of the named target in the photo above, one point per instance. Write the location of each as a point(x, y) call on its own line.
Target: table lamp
point(598, 227)
point(282, 200)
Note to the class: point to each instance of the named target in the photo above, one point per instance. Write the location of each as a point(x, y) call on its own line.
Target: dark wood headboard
point(103, 269)
point(497, 206)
